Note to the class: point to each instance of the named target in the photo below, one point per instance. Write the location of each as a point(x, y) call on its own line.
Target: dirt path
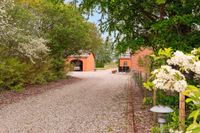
point(95, 104)
point(143, 118)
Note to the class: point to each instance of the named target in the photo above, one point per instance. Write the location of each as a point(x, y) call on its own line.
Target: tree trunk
point(162, 11)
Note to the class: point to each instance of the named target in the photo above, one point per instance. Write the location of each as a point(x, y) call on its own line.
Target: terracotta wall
point(84, 60)
point(122, 60)
point(140, 54)
point(88, 62)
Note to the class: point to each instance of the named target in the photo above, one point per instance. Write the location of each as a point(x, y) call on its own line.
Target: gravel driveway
point(95, 104)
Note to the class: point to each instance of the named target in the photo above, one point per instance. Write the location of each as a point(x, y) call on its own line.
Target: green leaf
point(195, 128)
point(188, 100)
point(166, 52)
point(148, 85)
point(160, 1)
point(194, 115)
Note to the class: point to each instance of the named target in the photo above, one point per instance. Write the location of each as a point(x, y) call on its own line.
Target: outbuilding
point(130, 61)
point(125, 62)
point(83, 62)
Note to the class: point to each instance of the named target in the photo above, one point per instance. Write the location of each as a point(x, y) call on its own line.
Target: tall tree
point(104, 54)
point(155, 23)
point(66, 29)
point(56, 1)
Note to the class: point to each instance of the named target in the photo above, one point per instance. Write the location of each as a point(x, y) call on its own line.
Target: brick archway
point(87, 61)
point(78, 64)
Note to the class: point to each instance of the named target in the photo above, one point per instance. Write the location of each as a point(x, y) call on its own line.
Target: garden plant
point(178, 72)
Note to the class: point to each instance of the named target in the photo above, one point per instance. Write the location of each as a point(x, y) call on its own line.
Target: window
point(125, 63)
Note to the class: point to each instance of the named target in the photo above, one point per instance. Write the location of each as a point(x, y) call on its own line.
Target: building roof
point(83, 55)
point(126, 55)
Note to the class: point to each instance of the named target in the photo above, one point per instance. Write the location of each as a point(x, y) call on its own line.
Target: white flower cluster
point(177, 131)
point(196, 67)
point(174, 131)
point(170, 79)
point(33, 48)
point(7, 30)
point(185, 62)
point(12, 37)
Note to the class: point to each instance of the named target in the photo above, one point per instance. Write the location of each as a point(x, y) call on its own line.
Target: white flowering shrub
point(172, 79)
point(196, 68)
point(178, 131)
point(175, 75)
point(33, 47)
point(169, 79)
point(174, 131)
point(186, 62)
point(7, 30)
point(11, 36)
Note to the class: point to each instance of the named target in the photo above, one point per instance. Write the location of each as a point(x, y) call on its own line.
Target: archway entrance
point(77, 65)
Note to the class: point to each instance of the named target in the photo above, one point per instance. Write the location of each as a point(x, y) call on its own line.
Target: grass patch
point(108, 66)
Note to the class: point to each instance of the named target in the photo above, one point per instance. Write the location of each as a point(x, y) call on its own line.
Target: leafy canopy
point(154, 23)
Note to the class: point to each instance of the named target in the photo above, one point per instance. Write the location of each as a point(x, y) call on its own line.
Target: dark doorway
point(77, 65)
point(124, 69)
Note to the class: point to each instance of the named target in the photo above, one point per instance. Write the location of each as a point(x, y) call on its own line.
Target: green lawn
point(107, 66)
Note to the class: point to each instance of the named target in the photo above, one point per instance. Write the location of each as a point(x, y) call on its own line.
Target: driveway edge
point(130, 108)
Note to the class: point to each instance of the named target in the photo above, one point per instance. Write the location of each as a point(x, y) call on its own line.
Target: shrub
point(58, 67)
point(15, 74)
point(100, 64)
point(12, 74)
point(167, 98)
point(41, 72)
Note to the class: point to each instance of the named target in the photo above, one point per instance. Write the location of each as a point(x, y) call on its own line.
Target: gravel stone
point(95, 104)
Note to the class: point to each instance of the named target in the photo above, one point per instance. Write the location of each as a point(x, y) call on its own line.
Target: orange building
point(131, 61)
point(83, 62)
point(125, 62)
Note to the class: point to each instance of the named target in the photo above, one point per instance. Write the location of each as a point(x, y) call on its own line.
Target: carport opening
point(77, 65)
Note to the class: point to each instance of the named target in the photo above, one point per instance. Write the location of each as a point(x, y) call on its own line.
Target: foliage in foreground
point(180, 74)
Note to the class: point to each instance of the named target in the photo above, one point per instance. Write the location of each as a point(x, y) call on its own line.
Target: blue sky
point(94, 19)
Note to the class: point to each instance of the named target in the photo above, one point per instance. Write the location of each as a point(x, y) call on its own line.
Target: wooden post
point(145, 90)
point(181, 111)
point(154, 104)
